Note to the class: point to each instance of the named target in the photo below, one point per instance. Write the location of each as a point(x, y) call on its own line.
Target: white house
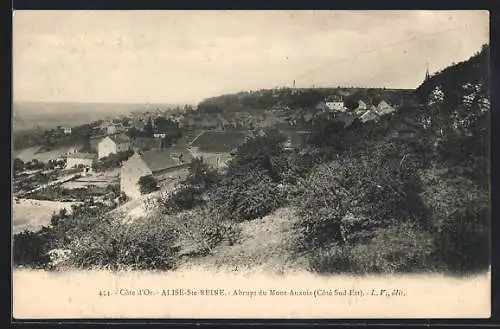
point(111, 129)
point(335, 103)
point(159, 135)
point(76, 160)
point(67, 130)
point(113, 145)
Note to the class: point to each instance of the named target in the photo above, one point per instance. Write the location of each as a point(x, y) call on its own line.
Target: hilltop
point(300, 98)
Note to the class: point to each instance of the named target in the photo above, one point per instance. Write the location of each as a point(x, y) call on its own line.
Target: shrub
point(395, 249)
point(148, 184)
point(143, 245)
point(346, 200)
point(245, 198)
point(202, 229)
point(30, 249)
point(185, 198)
point(460, 216)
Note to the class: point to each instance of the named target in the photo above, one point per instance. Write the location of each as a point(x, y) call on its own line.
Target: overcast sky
point(185, 56)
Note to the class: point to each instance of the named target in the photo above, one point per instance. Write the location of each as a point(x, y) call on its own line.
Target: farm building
point(384, 108)
point(80, 160)
point(362, 107)
point(369, 115)
point(112, 145)
point(335, 103)
point(153, 162)
point(94, 142)
point(111, 129)
point(67, 130)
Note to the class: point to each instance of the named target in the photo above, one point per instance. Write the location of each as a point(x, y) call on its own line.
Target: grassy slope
point(264, 245)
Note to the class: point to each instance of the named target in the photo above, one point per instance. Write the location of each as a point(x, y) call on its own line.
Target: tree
point(148, 128)
point(18, 165)
point(148, 184)
point(163, 125)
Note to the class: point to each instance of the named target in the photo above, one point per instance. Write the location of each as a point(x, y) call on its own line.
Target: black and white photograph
point(280, 163)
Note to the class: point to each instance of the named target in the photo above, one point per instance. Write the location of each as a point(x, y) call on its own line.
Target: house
point(67, 130)
point(76, 160)
point(111, 129)
point(94, 142)
point(74, 149)
point(335, 103)
point(159, 135)
point(153, 162)
point(384, 108)
point(112, 145)
point(369, 115)
point(361, 109)
point(222, 122)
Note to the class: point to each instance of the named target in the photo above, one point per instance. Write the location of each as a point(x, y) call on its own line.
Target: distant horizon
point(194, 104)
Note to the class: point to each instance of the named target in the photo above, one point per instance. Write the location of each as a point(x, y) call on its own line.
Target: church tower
point(427, 75)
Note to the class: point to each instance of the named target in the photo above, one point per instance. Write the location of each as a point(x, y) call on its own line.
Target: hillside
point(456, 79)
point(268, 99)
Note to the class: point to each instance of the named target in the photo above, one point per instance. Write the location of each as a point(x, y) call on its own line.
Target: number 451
point(104, 293)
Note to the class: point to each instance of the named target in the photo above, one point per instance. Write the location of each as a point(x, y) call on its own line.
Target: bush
point(142, 245)
point(148, 184)
point(460, 216)
point(396, 249)
point(245, 198)
point(190, 193)
point(202, 229)
point(249, 188)
point(112, 161)
point(30, 249)
point(346, 200)
point(185, 198)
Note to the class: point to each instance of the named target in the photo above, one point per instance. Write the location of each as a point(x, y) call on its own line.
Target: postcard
point(307, 164)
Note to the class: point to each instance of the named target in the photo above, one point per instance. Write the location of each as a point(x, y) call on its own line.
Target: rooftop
point(166, 158)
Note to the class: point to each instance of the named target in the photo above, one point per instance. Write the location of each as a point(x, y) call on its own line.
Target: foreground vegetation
point(409, 193)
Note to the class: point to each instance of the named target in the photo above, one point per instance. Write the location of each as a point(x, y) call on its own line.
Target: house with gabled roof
point(152, 162)
point(384, 108)
point(113, 144)
point(369, 115)
point(362, 107)
point(76, 160)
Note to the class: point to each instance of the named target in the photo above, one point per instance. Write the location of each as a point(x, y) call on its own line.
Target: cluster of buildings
point(366, 110)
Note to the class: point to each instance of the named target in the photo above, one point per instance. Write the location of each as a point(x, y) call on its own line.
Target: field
point(101, 179)
point(33, 214)
point(219, 141)
point(30, 153)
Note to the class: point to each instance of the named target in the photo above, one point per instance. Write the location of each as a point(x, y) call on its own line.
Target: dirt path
point(265, 245)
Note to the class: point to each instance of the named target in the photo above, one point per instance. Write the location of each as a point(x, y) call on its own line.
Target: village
point(106, 165)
